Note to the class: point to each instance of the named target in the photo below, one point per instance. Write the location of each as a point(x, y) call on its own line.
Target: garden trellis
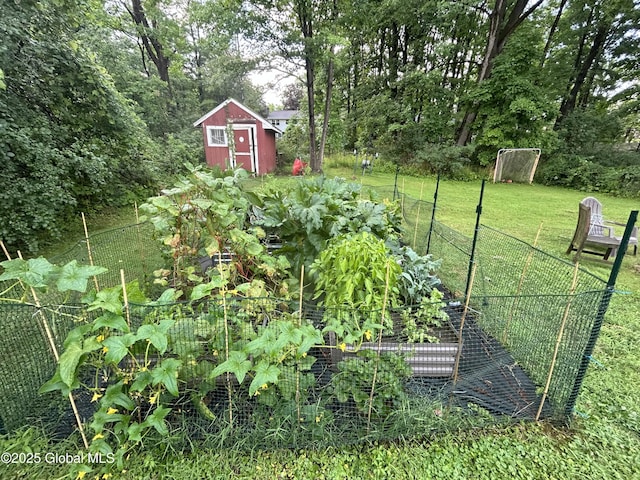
point(519, 329)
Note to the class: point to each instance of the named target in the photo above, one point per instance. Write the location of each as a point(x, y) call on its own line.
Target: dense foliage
point(97, 99)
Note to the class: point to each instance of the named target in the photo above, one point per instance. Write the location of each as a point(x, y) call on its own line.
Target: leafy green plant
point(306, 216)
point(355, 378)
point(418, 324)
point(418, 274)
point(203, 218)
point(355, 272)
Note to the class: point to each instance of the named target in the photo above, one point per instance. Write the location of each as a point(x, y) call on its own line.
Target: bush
point(585, 173)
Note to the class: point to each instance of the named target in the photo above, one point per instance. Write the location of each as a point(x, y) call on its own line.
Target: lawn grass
point(602, 442)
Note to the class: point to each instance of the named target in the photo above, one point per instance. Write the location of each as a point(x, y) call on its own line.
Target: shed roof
point(265, 124)
point(282, 114)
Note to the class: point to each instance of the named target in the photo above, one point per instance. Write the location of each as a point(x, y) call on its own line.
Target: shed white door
point(244, 142)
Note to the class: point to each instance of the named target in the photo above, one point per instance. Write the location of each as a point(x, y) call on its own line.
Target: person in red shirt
point(298, 167)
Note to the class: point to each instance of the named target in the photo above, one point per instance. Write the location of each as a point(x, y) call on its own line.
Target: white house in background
point(280, 118)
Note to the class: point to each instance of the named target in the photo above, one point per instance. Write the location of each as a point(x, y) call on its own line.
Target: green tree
point(69, 141)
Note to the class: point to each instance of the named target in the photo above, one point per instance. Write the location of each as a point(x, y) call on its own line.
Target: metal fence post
point(433, 213)
point(602, 309)
point(475, 236)
point(395, 184)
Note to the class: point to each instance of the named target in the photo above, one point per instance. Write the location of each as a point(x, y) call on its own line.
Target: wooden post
point(527, 264)
point(124, 297)
point(375, 369)
point(86, 237)
point(4, 249)
point(54, 349)
point(559, 339)
point(298, 364)
point(462, 320)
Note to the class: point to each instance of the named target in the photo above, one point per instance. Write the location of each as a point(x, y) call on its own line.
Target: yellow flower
point(342, 346)
point(112, 410)
point(153, 398)
point(98, 436)
point(105, 349)
point(264, 386)
point(99, 338)
point(367, 334)
point(96, 397)
point(81, 475)
point(107, 476)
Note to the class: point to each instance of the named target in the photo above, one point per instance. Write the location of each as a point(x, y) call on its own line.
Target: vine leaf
point(156, 420)
point(75, 277)
point(110, 320)
point(117, 347)
point(237, 363)
point(34, 272)
point(156, 334)
point(109, 300)
point(166, 373)
point(265, 374)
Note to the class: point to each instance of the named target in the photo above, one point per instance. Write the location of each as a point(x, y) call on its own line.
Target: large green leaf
point(156, 334)
point(265, 374)
point(166, 373)
point(237, 363)
point(34, 272)
point(108, 299)
point(156, 420)
point(117, 347)
point(68, 363)
point(76, 277)
point(111, 320)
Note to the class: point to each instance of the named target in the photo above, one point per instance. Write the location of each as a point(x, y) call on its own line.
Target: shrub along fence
point(514, 342)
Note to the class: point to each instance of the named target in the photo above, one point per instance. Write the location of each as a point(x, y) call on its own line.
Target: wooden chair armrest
point(611, 222)
point(609, 230)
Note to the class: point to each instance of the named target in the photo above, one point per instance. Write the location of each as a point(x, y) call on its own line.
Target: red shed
point(236, 136)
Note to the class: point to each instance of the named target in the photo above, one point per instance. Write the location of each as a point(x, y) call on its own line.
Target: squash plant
point(306, 215)
point(203, 218)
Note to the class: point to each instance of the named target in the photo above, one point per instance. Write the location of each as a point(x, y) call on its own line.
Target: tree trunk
point(306, 26)
point(552, 31)
point(499, 33)
point(569, 102)
point(150, 42)
point(327, 110)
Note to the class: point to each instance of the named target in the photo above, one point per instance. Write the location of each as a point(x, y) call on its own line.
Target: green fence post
point(602, 309)
point(433, 212)
point(395, 184)
point(475, 236)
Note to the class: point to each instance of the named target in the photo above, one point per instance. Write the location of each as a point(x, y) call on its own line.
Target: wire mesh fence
point(515, 351)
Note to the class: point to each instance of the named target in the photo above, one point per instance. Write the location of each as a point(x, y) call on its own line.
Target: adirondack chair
point(583, 238)
point(601, 227)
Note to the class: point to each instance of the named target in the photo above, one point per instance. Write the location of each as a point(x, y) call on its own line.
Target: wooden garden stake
point(527, 264)
point(415, 231)
point(375, 368)
point(223, 292)
point(124, 297)
point(299, 325)
point(86, 237)
point(4, 249)
point(301, 290)
point(54, 349)
point(462, 320)
point(559, 339)
point(135, 206)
